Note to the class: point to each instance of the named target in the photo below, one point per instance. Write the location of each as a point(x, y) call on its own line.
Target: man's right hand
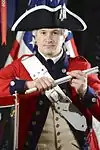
point(42, 84)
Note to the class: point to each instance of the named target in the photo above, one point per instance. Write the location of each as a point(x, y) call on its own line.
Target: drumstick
point(67, 78)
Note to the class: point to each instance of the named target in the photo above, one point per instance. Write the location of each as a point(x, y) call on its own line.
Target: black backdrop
point(88, 42)
point(4, 50)
point(21, 6)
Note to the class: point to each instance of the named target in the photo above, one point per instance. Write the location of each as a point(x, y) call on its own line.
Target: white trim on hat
point(51, 10)
point(78, 18)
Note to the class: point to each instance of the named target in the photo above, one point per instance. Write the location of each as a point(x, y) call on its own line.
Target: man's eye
point(55, 33)
point(43, 33)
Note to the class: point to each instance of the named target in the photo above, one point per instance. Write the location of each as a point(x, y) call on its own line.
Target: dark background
point(87, 42)
point(20, 7)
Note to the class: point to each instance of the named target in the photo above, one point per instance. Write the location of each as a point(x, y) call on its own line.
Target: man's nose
point(49, 37)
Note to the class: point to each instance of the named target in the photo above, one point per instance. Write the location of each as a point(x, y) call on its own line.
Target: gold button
point(33, 123)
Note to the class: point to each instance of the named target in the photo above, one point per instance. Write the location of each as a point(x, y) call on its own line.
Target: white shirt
point(54, 59)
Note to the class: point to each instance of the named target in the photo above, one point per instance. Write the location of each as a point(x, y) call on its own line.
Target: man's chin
point(49, 47)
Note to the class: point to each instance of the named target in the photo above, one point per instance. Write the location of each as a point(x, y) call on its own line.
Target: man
point(41, 124)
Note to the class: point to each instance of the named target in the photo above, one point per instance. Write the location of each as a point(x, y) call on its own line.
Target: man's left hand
point(79, 81)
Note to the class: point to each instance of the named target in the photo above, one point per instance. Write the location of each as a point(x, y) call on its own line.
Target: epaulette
point(79, 58)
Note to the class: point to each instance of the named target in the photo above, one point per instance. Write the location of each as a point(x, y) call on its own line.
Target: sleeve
point(17, 85)
point(93, 95)
point(8, 74)
point(89, 98)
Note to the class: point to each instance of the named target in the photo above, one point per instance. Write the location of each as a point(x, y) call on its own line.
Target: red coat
point(27, 104)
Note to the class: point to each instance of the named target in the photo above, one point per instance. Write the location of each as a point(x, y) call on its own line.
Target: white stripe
point(23, 49)
point(19, 36)
point(70, 48)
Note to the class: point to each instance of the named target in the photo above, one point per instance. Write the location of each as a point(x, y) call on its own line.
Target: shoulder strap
point(60, 101)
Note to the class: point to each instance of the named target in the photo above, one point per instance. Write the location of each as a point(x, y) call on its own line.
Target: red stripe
point(15, 49)
point(74, 47)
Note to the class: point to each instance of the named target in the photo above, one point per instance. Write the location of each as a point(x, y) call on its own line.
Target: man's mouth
point(49, 45)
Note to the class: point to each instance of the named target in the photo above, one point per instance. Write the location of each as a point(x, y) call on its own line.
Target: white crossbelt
point(62, 103)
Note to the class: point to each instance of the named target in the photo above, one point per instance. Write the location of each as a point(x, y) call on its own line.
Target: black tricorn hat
point(48, 14)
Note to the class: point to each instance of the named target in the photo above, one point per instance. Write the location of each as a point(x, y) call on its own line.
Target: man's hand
point(42, 84)
point(79, 81)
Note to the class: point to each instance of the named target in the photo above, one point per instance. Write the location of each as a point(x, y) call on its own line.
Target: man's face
point(49, 41)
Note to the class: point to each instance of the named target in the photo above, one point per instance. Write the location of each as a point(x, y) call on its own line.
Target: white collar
point(54, 59)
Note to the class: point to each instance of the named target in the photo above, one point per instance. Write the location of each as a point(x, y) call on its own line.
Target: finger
point(43, 83)
point(38, 85)
point(49, 82)
point(76, 73)
point(81, 73)
point(77, 81)
point(46, 83)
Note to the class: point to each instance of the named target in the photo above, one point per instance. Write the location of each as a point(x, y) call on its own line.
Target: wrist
point(81, 94)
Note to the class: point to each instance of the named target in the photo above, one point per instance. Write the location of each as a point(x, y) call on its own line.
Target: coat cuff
point(89, 98)
point(17, 85)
